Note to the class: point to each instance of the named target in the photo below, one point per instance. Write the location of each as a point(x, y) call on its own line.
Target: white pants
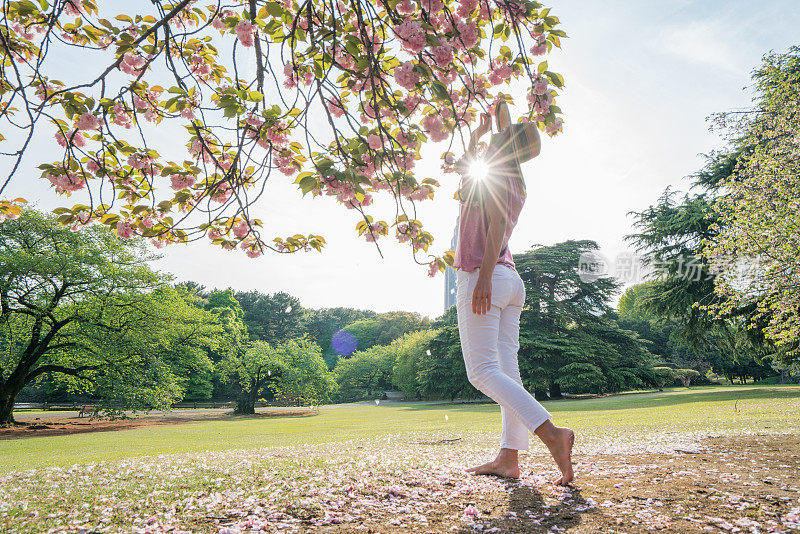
point(490, 343)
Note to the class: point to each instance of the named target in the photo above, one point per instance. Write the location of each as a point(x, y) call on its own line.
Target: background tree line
point(84, 316)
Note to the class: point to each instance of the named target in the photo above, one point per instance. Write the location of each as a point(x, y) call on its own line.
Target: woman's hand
point(484, 126)
point(482, 295)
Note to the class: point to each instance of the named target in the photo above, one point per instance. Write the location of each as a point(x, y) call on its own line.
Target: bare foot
point(495, 467)
point(561, 449)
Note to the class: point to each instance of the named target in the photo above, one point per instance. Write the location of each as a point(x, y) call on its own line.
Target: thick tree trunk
point(555, 391)
point(246, 404)
point(7, 399)
point(540, 394)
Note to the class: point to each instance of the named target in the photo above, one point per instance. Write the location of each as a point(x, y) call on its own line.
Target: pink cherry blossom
point(245, 31)
point(466, 7)
point(288, 71)
point(67, 183)
point(121, 116)
point(87, 121)
point(405, 7)
point(375, 142)
point(377, 228)
point(222, 194)
point(182, 181)
point(540, 86)
point(442, 55)
point(541, 106)
point(447, 77)
point(553, 128)
point(22, 30)
point(468, 32)
point(139, 161)
point(92, 166)
point(241, 230)
point(434, 126)
point(412, 36)
point(432, 6)
point(125, 230)
point(73, 8)
point(131, 63)
point(72, 138)
point(411, 101)
point(406, 76)
point(540, 48)
point(335, 108)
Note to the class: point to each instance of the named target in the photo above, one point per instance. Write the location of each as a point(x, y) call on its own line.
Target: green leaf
point(556, 78)
point(440, 91)
point(275, 9)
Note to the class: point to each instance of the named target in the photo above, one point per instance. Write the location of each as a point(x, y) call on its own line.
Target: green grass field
point(731, 409)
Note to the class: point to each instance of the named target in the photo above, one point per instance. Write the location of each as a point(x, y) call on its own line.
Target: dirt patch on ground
point(736, 484)
point(64, 423)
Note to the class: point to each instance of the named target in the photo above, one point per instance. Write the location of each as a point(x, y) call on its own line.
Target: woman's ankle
point(547, 432)
point(508, 456)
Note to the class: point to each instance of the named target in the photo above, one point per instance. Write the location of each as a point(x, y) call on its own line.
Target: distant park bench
point(90, 409)
point(210, 404)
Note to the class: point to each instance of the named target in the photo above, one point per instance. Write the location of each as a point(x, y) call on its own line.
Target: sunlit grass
point(714, 409)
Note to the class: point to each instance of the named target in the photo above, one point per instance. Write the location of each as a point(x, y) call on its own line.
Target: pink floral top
point(504, 177)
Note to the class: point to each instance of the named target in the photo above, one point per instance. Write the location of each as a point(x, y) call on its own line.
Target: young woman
point(490, 296)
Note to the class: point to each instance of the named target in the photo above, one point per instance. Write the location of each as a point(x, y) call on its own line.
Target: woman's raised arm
point(462, 165)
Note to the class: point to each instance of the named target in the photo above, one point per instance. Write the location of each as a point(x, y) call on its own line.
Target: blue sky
point(642, 76)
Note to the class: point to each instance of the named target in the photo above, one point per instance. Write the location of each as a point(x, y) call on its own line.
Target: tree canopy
point(756, 248)
point(341, 96)
point(85, 305)
point(569, 337)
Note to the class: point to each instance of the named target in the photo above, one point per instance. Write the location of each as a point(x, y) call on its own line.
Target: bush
point(364, 374)
point(664, 376)
point(686, 376)
point(410, 351)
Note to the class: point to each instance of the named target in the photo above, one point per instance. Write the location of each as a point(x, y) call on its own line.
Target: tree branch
point(61, 369)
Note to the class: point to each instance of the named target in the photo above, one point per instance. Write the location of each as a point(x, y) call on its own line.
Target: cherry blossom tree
point(757, 249)
point(339, 95)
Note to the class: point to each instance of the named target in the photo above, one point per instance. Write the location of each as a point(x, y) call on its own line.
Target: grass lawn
point(728, 410)
point(714, 459)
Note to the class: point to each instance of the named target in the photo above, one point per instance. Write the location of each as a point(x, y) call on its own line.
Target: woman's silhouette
point(491, 294)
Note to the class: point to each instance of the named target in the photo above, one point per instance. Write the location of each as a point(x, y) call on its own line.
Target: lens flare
point(479, 170)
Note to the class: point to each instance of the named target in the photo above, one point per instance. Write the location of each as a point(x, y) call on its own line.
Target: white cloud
point(707, 42)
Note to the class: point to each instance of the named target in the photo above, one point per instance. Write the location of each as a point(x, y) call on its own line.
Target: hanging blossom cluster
point(389, 77)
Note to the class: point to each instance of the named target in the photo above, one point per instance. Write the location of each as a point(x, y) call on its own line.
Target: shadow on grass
point(654, 399)
point(532, 514)
point(62, 427)
point(284, 414)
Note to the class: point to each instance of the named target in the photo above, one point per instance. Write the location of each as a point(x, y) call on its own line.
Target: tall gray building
point(450, 273)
